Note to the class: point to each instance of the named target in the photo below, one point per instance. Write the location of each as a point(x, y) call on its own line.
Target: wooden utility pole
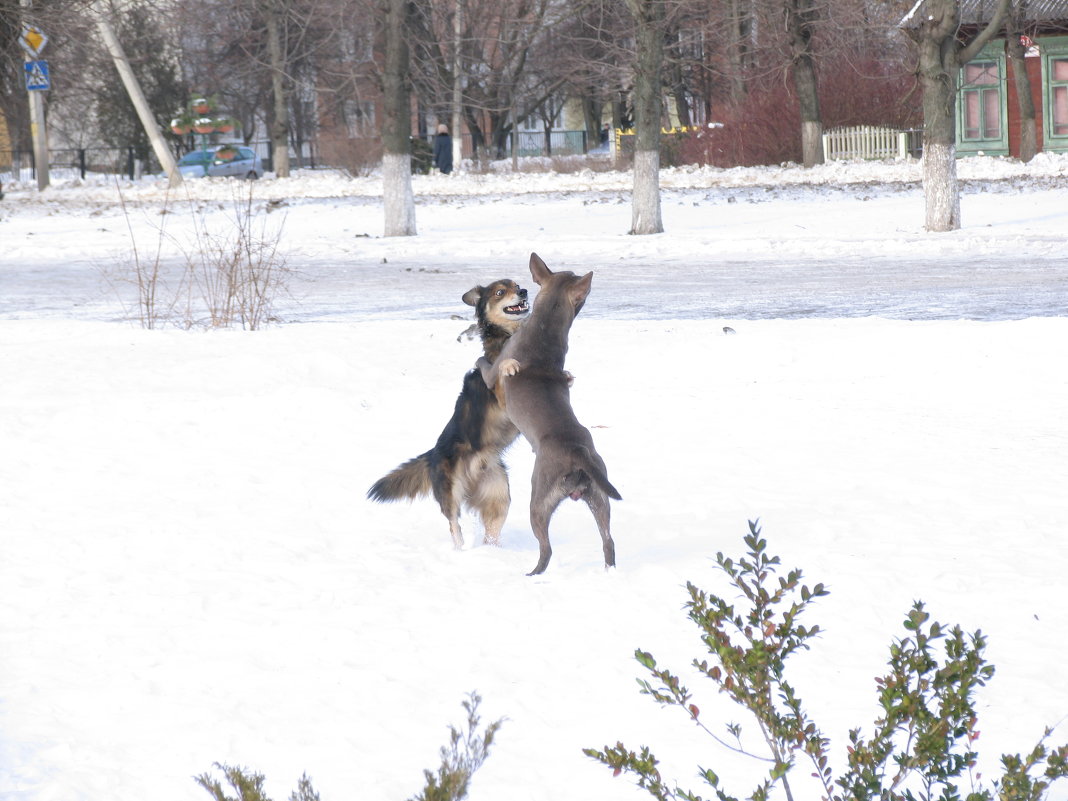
point(137, 97)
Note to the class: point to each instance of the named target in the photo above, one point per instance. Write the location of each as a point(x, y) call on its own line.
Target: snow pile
point(331, 183)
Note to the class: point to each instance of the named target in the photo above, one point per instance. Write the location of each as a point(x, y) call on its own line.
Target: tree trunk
point(591, 118)
point(941, 55)
point(940, 190)
point(280, 121)
point(677, 83)
point(811, 123)
point(397, 197)
point(738, 47)
point(645, 201)
point(799, 19)
point(457, 85)
point(1022, 82)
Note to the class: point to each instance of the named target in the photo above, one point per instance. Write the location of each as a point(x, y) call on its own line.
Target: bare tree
point(1014, 33)
point(65, 24)
point(592, 62)
point(272, 14)
point(498, 40)
point(800, 16)
point(649, 20)
point(397, 196)
point(935, 27)
point(739, 45)
point(260, 59)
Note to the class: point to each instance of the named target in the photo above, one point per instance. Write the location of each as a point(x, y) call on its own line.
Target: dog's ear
point(538, 271)
point(579, 290)
point(472, 296)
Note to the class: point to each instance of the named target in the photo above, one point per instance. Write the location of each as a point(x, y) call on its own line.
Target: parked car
point(229, 160)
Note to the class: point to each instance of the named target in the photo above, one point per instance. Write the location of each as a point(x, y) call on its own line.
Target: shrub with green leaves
point(921, 747)
point(464, 754)
point(304, 791)
point(247, 784)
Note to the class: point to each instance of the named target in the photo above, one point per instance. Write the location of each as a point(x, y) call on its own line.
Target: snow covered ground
point(190, 572)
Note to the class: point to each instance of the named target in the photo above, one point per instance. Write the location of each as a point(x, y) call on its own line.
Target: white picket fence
point(865, 142)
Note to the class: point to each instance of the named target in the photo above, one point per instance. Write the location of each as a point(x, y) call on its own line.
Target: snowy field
point(190, 572)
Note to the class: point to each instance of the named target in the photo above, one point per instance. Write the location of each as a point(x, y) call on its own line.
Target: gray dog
point(532, 386)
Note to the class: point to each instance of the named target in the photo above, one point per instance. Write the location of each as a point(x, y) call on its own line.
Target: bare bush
point(229, 274)
point(762, 128)
point(145, 274)
point(236, 274)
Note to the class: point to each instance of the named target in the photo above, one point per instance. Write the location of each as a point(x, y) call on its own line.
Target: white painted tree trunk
point(940, 189)
point(812, 143)
point(397, 197)
point(645, 204)
point(457, 86)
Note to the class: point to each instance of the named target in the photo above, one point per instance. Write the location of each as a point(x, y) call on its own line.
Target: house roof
point(977, 11)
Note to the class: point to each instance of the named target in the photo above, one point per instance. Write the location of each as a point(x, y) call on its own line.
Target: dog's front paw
point(508, 367)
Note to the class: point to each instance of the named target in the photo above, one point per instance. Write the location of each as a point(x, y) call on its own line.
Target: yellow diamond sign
point(32, 40)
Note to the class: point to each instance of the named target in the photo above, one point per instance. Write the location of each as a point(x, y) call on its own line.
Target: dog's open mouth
point(519, 308)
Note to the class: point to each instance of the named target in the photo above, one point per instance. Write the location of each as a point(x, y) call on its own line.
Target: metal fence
point(526, 143)
point(558, 143)
point(18, 165)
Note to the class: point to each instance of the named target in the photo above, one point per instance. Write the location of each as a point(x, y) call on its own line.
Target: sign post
point(33, 42)
point(37, 79)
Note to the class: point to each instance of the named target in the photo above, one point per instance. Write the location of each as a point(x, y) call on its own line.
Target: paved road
point(985, 289)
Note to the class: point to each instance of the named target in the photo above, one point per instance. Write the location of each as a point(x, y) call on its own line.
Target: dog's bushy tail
point(410, 480)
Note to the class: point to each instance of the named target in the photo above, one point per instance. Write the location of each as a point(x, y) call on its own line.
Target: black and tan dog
point(531, 384)
point(464, 468)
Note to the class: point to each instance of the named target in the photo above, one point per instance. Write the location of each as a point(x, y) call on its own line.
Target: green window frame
point(1055, 92)
point(981, 112)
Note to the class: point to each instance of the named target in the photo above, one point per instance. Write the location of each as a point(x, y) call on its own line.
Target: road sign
point(37, 79)
point(33, 40)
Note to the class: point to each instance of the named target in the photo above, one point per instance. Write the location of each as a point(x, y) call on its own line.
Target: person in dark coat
point(443, 150)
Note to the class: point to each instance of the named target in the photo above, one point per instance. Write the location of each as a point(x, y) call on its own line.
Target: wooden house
point(988, 107)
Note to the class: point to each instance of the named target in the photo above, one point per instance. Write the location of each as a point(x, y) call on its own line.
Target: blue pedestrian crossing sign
point(37, 79)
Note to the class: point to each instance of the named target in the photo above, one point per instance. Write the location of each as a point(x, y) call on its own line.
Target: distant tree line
point(314, 65)
point(773, 72)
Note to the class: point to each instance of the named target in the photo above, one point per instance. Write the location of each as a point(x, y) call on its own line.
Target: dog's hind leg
point(449, 494)
point(602, 513)
point(539, 524)
point(493, 499)
point(543, 502)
